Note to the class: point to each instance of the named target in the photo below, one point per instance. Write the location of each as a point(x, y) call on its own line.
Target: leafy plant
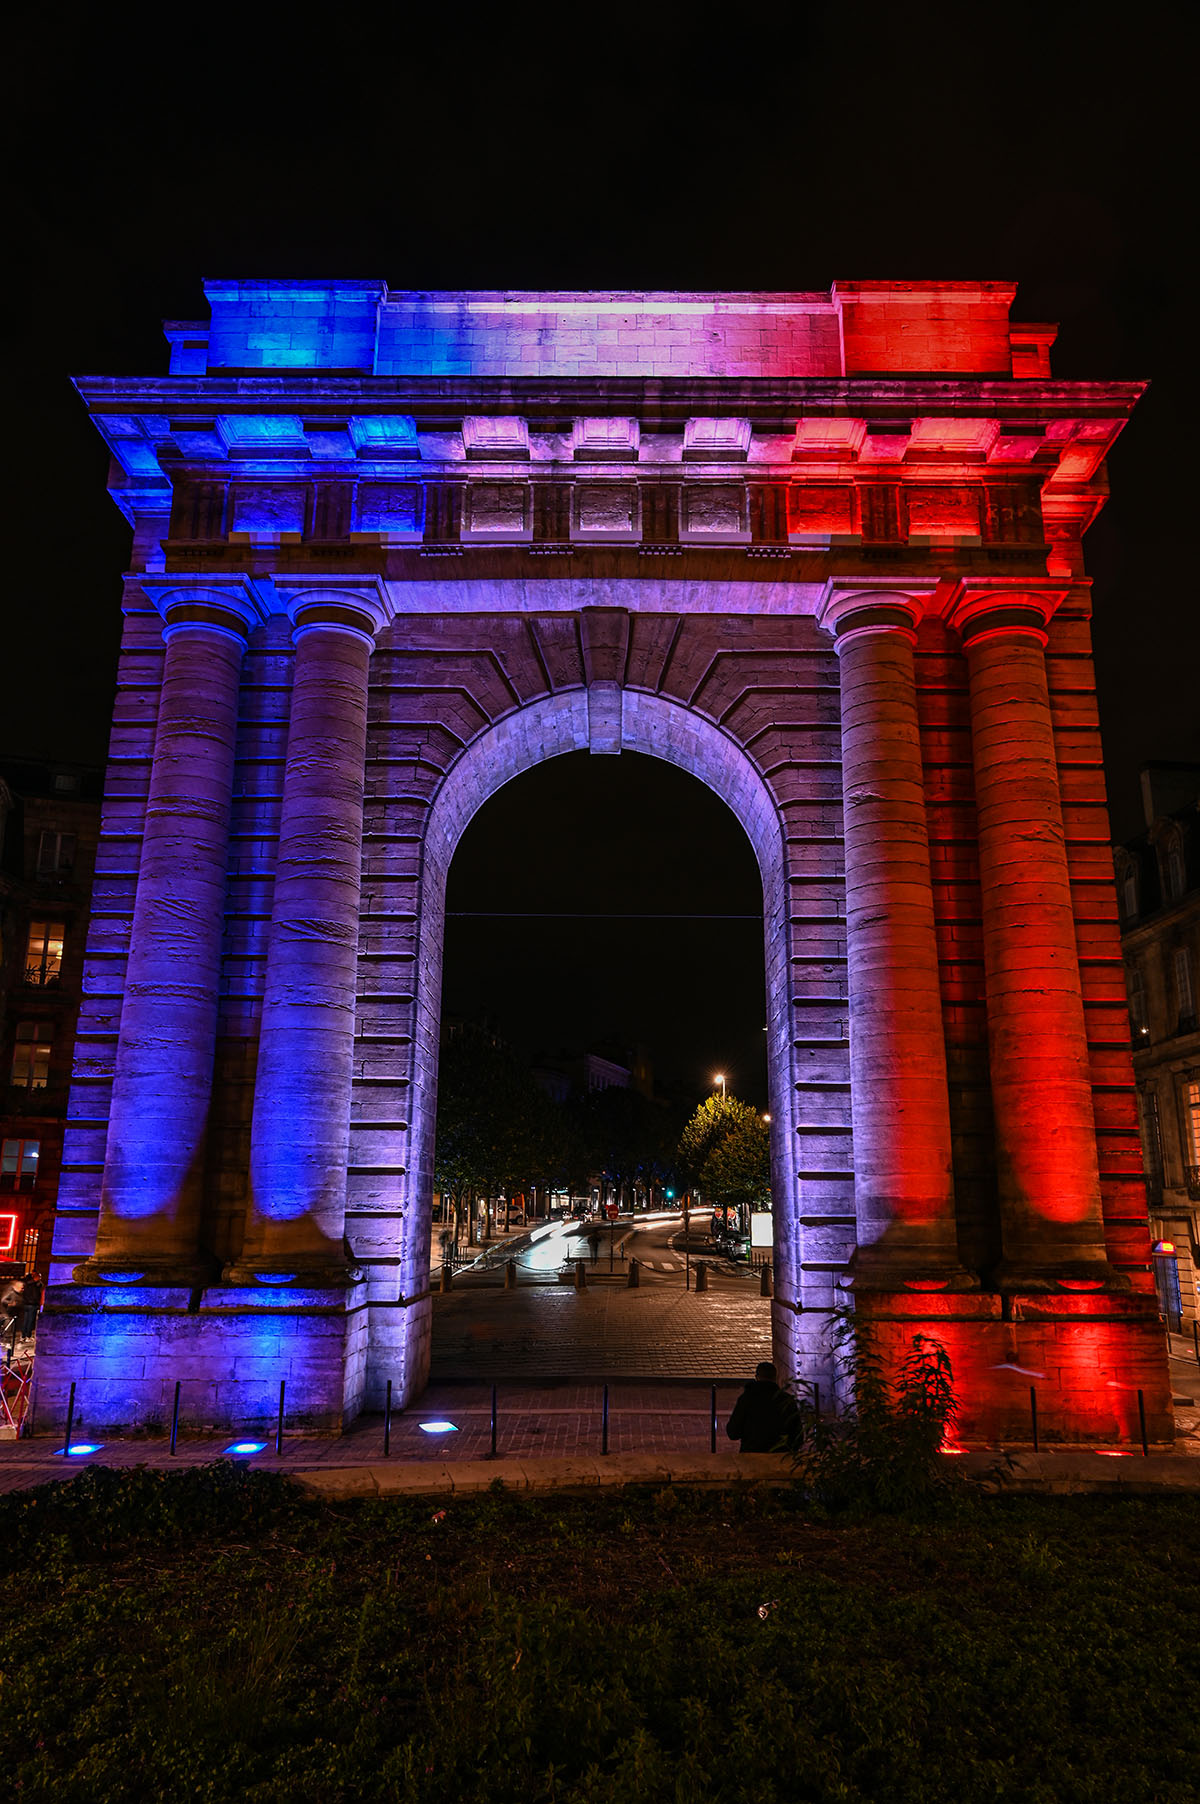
point(883, 1454)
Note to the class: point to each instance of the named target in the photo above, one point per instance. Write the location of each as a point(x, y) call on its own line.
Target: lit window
point(43, 954)
point(1191, 1122)
point(31, 1055)
point(56, 853)
point(19, 1164)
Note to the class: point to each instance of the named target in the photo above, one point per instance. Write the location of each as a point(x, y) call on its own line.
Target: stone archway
point(605, 720)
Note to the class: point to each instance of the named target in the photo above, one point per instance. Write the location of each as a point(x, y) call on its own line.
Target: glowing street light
point(767, 1119)
point(720, 1079)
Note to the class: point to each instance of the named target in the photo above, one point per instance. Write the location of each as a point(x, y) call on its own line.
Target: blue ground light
point(439, 1427)
point(78, 1449)
point(243, 1449)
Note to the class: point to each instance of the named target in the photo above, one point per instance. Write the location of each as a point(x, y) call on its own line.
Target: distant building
point(1158, 890)
point(49, 827)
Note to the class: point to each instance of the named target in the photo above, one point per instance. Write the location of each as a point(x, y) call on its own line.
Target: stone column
point(900, 1110)
point(154, 1161)
point(1051, 1218)
point(300, 1131)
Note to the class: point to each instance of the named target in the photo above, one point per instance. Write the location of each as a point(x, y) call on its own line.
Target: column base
point(1088, 1354)
point(125, 1347)
point(1017, 1276)
point(189, 1273)
point(890, 1268)
point(327, 1274)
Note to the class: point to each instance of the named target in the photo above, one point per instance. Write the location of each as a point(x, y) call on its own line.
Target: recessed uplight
point(439, 1427)
point(241, 1449)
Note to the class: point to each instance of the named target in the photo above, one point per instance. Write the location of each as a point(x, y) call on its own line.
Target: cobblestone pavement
point(604, 1331)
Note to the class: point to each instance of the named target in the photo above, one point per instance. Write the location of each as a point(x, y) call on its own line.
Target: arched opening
point(653, 728)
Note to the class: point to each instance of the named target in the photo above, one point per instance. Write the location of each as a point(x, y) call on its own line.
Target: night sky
point(506, 148)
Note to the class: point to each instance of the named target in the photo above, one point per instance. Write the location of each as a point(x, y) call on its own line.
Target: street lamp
point(720, 1079)
point(767, 1119)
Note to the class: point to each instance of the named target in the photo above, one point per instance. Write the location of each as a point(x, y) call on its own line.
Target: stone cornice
point(872, 395)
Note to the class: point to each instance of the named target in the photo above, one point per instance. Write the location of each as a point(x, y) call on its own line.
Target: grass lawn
point(215, 1635)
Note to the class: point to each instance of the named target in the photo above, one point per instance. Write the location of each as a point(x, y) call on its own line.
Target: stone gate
point(390, 549)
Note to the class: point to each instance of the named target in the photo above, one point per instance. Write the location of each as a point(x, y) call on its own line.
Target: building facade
point(391, 549)
point(1158, 889)
point(49, 828)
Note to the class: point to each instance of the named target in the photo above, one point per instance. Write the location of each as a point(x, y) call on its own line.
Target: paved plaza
point(554, 1331)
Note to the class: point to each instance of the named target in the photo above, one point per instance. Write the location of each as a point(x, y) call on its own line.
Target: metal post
point(493, 1421)
point(687, 1265)
point(712, 1423)
point(1196, 1340)
point(604, 1424)
point(70, 1419)
point(175, 1416)
point(1142, 1424)
point(387, 1421)
point(279, 1424)
point(1033, 1414)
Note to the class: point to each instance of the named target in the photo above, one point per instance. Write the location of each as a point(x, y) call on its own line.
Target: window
point(19, 1164)
point(1191, 1121)
point(56, 853)
point(31, 1055)
point(1185, 993)
point(1127, 879)
point(1137, 1006)
point(1151, 1138)
point(43, 954)
point(65, 782)
point(1176, 879)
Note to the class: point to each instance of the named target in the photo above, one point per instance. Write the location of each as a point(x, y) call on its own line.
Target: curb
point(1016, 1474)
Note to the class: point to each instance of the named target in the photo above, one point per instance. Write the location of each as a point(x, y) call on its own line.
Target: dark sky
point(445, 148)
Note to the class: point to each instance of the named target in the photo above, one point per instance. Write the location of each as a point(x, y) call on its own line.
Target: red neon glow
point(1164, 1246)
point(8, 1233)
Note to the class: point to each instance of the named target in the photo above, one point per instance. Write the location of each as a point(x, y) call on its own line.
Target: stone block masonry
point(821, 551)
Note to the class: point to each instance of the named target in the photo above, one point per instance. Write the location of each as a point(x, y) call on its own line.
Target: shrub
point(882, 1454)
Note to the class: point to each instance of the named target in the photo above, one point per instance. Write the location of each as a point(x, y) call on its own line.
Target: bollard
point(632, 1279)
point(387, 1421)
point(493, 1421)
point(1196, 1340)
point(604, 1423)
point(1142, 1424)
point(279, 1424)
point(1033, 1414)
point(580, 1275)
point(712, 1423)
point(70, 1418)
point(447, 1279)
point(701, 1277)
point(510, 1274)
point(175, 1416)
point(765, 1288)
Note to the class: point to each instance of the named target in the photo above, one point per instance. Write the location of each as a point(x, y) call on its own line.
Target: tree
point(491, 1121)
point(724, 1152)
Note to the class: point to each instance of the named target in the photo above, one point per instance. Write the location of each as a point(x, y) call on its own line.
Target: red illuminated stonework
point(823, 551)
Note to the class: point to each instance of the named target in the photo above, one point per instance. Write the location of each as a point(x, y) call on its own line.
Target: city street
point(545, 1328)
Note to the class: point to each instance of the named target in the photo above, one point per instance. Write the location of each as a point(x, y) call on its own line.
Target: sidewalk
point(661, 1422)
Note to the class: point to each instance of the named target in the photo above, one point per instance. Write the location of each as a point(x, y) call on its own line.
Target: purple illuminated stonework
point(390, 550)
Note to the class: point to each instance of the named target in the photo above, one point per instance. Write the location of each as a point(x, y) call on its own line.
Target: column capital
point(360, 605)
point(848, 609)
point(233, 604)
point(989, 610)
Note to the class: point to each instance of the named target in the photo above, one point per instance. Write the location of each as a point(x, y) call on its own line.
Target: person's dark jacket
point(763, 1417)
